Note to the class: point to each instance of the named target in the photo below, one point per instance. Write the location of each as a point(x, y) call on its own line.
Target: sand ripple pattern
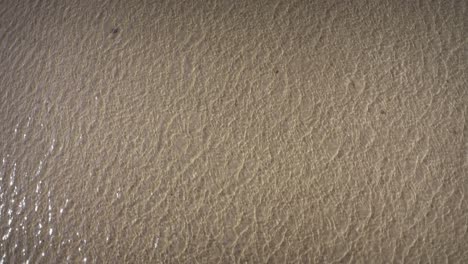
point(233, 131)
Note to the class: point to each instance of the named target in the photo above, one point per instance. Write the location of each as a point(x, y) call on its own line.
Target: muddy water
point(233, 132)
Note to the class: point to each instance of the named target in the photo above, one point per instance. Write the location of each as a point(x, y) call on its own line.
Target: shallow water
point(233, 132)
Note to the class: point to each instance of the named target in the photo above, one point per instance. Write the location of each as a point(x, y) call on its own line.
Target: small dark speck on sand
point(382, 112)
point(115, 30)
point(276, 71)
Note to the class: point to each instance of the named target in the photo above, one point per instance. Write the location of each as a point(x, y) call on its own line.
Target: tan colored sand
point(233, 131)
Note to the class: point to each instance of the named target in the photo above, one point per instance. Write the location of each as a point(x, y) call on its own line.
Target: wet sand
point(233, 131)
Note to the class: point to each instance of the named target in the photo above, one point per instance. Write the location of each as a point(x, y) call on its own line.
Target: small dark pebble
point(276, 71)
point(115, 30)
point(382, 112)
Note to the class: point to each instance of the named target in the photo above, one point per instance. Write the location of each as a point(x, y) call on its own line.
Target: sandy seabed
point(233, 131)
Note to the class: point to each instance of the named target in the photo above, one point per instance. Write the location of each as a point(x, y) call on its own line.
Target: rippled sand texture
point(233, 131)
